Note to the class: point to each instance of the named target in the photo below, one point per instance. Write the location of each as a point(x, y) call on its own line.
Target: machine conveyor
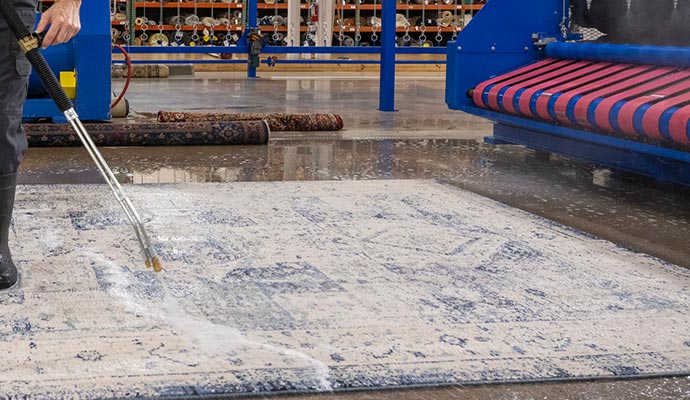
point(618, 105)
point(639, 101)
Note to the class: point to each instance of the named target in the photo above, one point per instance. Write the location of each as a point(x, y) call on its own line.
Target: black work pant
point(14, 79)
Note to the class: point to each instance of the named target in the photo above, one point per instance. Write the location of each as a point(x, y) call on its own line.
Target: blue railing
point(387, 51)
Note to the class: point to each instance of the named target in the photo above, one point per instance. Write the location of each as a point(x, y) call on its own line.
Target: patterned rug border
point(278, 122)
point(198, 133)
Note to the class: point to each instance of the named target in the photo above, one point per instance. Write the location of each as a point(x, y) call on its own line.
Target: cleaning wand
point(30, 44)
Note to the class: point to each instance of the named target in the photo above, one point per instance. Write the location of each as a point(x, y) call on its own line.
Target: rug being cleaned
point(322, 286)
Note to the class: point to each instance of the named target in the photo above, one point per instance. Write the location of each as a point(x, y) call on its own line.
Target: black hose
point(49, 80)
point(22, 33)
point(13, 20)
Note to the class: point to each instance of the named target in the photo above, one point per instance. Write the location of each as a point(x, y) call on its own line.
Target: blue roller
point(500, 96)
point(664, 123)
point(570, 109)
point(552, 103)
point(485, 95)
point(617, 53)
point(637, 119)
point(613, 118)
point(591, 117)
point(516, 100)
point(533, 101)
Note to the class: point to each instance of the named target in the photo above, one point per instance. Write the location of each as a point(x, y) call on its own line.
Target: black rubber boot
point(8, 271)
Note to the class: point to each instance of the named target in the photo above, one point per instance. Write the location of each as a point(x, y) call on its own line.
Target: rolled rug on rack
point(176, 20)
point(209, 22)
point(401, 21)
point(158, 39)
point(374, 21)
point(277, 122)
point(347, 40)
point(192, 20)
point(150, 70)
point(152, 134)
point(180, 38)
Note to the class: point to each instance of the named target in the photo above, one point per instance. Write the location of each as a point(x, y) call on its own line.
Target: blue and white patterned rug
point(322, 286)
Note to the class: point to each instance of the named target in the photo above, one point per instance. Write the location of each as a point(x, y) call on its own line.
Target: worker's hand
point(63, 18)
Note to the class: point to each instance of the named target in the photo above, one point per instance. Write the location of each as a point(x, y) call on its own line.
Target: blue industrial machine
point(623, 106)
point(89, 54)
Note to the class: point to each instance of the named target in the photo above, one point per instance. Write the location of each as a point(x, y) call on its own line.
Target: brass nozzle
point(29, 43)
point(157, 266)
point(148, 264)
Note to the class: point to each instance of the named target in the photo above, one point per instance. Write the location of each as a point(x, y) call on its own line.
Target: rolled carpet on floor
point(152, 134)
point(278, 122)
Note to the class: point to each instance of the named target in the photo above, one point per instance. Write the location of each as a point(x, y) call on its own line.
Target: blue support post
point(387, 81)
point(252, 17)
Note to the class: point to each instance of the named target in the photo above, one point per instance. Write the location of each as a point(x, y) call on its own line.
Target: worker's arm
point(63, 18)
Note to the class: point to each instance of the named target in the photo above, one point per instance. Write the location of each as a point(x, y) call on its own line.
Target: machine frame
point(506, 35)
point(88, 54)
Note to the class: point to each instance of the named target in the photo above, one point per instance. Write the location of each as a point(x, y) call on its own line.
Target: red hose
point(129, 74)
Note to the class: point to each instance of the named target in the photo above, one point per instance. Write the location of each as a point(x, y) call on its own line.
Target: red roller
point(571, 80)
point(496, 89)
point(577, 86)
point(611, 97)
point(479, 90)
point(652, 117)
point(641, 86)
point(627, 113)
point(542, 78)
point(615, 83)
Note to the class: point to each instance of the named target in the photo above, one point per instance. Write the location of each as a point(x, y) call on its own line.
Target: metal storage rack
point(426, 23)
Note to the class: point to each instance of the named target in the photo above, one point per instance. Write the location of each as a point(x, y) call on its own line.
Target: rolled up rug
point(152, 134)
point(277, 122)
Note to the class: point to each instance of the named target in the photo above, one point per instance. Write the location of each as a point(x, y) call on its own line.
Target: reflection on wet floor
point(643, 389)
point(631, 211)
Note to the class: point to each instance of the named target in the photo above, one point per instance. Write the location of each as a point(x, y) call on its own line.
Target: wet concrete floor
point(423, 140)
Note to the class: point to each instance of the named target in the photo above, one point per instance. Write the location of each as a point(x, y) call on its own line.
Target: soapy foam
point(212, 339)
